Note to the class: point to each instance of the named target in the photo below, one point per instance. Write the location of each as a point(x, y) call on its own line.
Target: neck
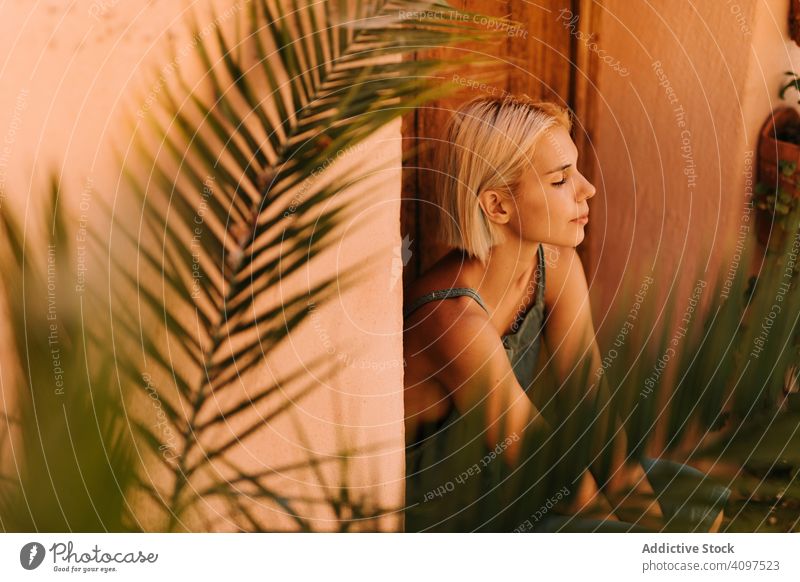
point(507, 273)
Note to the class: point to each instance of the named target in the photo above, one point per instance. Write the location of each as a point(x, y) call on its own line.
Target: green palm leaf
point(226, 178)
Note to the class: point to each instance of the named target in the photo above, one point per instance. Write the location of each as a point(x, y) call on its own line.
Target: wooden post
point(794, 21)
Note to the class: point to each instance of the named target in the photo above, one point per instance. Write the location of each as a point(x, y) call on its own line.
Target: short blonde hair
point(487, 144)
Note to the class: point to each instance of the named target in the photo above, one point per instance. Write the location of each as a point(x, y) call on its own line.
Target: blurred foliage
point(71, 464)
point(709, 381)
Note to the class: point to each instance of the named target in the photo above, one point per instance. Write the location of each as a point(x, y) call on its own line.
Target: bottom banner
point(391, 556)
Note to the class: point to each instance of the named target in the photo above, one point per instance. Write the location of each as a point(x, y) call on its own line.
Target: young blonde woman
point(513, 207)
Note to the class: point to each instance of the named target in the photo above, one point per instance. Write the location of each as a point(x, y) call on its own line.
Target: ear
point(495, 206)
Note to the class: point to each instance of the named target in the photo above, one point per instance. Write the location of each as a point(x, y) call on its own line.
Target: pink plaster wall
point(659, 204)
point(68, 69)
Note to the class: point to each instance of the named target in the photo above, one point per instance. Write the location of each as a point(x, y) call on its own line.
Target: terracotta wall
point(676, 134)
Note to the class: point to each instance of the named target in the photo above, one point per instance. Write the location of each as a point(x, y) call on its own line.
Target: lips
point(584, 217)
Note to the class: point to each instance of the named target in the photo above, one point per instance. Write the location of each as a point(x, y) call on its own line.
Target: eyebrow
point(564, 167)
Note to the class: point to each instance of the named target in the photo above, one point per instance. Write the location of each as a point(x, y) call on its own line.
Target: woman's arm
point(472, 364)
point(570, 337)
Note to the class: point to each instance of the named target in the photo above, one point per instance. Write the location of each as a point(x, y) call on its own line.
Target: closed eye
point(561, 183)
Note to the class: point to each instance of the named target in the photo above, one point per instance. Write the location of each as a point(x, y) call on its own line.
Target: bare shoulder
point(464, 351)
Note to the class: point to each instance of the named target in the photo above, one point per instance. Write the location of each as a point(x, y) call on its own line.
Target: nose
point(588, 189)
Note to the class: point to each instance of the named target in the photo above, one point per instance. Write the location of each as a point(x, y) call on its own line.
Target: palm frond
point(228, 178)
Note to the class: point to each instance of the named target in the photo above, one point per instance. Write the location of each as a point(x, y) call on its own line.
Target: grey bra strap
point(443, 294)
point(460, 291)
point(540, 292)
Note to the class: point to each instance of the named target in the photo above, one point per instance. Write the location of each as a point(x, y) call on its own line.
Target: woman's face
point(553, 194)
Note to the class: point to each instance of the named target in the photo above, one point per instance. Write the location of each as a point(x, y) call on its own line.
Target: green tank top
point(425, 510)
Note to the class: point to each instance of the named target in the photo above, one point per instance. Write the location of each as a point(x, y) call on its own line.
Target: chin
point(578, 237)
point(571, 236)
